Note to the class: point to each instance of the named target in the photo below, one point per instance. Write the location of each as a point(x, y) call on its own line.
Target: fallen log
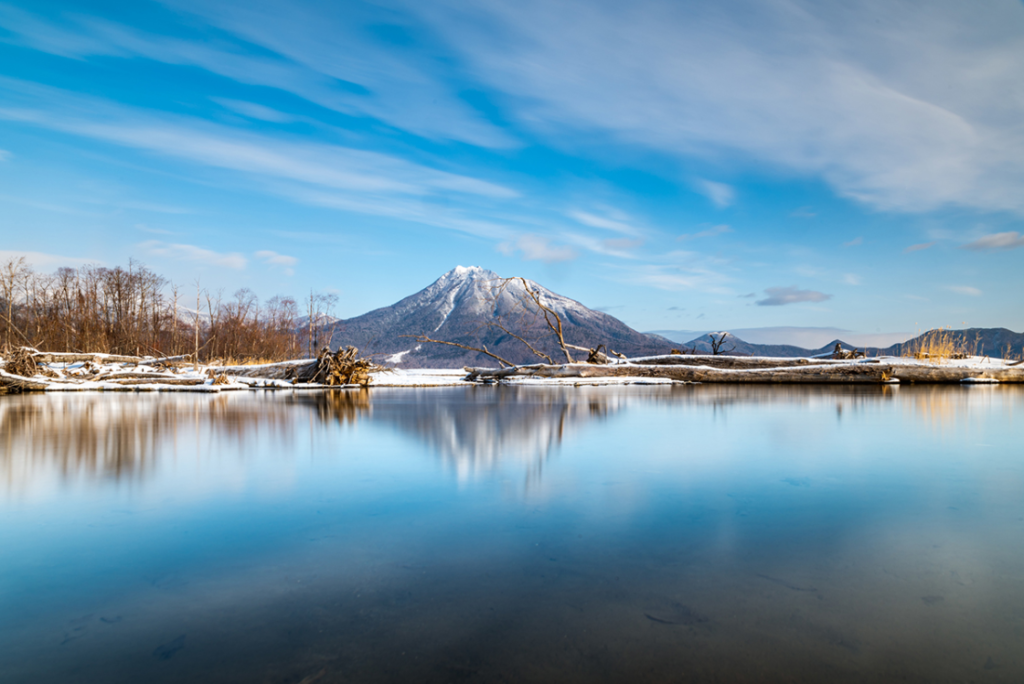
point(74, 357)
point(284, 370)
point(836, 372)
point(818, 373)
point(156, 381)
point(165, 359)
point(722, 361)
point(490, 373)
point(932, 374)
point(127, 374)
point(19, 383)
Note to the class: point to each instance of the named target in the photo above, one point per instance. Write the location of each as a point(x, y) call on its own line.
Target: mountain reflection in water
point(471, 429)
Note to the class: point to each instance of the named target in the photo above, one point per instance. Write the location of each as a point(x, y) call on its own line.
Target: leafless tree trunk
point(718, 342)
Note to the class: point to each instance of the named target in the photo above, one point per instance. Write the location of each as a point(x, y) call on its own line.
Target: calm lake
point(501, 534)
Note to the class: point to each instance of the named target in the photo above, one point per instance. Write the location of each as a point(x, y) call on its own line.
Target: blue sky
point(682, 165)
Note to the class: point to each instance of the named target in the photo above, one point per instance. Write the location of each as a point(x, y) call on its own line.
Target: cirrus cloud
point(283, 261)
point(537, 248)
point(1010, 240)
point(194, 254)
point(781, 296)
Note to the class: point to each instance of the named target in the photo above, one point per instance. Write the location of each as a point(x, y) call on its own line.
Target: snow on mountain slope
point(464, 304)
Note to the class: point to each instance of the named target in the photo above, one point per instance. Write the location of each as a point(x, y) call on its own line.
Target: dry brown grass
point(940, 346)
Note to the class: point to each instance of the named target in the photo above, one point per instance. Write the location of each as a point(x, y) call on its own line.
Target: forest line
point(133, 310)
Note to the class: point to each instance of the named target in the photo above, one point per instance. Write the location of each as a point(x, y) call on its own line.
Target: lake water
point(495, 534)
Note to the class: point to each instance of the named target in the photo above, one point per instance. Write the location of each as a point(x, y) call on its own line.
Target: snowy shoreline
point(107, 373)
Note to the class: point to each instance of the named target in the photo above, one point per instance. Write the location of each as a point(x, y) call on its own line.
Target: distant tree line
point(132, 310)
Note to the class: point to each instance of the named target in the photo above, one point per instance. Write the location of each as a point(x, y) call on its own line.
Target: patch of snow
point(420, 377)
point(397, 358)
point(447, 306)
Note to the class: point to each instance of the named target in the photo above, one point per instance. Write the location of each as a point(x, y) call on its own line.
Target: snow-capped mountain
point(464, 305)
point(322, 319)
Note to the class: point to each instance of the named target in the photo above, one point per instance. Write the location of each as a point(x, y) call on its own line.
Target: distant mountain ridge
point(990, 341)
point(463, 306)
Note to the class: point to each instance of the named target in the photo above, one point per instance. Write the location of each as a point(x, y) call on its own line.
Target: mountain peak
point(469, 305)
point(468, 272)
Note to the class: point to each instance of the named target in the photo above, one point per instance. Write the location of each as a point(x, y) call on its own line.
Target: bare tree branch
point(716, 344)
point(508, 332)
point(424, 338)
point(551, 318)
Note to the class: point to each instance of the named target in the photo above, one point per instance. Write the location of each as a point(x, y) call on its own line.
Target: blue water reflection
point(514, 534)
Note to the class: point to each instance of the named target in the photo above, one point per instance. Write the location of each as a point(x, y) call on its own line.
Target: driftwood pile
point(26, 369)
point(340, 368)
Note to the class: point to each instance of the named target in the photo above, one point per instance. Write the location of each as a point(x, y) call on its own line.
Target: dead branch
point(551, 318)
point(482, 350)
point(529, 346)
point(716, 344)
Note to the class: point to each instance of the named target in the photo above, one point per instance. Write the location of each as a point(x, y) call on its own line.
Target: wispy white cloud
point(5, 155)
point(617, 223)
point(276, 259)
point(153, 207)
point(676, 279)
point(710, 232)
point(720, 194)
point(194, 254)
point(537, 248)
point(42, 261)
point(859, 240)
point(283, 261)
point(996, 241)
point(149, 229)
point(357, 180)
point(965, 290)
point(621, 248)
point(324, 54)
point(852, 279)
point(622, 244)
point(781, 296)
point(919, 247)
point(679, 271)
point(898, 109)
point(254, 110)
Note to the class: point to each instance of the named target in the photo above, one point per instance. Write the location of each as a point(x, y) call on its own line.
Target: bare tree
point(124, 311)
point(718, 342)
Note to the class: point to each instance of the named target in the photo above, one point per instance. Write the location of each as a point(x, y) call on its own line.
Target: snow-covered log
point(723, 369)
